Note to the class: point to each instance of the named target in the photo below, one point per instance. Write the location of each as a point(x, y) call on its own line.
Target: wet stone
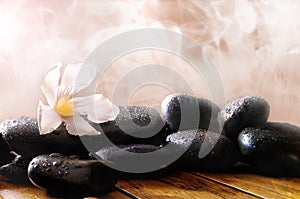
point(182, 112)
point(222, 152)
point(273, 148)
point(134, 158)
point(134, 124)
point(241, 113)
point(16, 171)
point(22, 136)
point(83, 178)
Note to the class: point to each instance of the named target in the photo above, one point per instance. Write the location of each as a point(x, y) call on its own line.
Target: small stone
point(273, 148)
point(85, 178)
point(16, 170)
point(241, 113)
point(182, 112)
point(222, 153)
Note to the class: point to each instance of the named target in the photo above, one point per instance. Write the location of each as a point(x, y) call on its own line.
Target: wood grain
point(266, 187)
point(239, 183)
point(10, 191)
point(179, 185)
point(21, 191)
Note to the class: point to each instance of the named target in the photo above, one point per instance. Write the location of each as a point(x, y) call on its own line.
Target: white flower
point(65, 105)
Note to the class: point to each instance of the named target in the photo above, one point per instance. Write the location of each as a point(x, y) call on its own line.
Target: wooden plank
point(28, 192)
point(115, 194)
point(265, 187)
point(178, 185)
point(152, 189)
point(20, 191)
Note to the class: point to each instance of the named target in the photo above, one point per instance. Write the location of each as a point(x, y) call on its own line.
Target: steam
point(254, 44)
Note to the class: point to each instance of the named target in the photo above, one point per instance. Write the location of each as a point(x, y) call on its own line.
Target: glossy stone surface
point(223, 153)
point(134, 124)
point(70, 177)
point(182, 112)
point(135, 157)
point(22, 136)
point(273, 148)
point(16, 170)
point(243, 112)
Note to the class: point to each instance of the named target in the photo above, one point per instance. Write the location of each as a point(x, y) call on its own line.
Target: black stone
point(5, 155)
point(241, 113)
point(134, 124)
point(16, 171)
point(22, 136)
point(182, 112)
point(273, 148)
point(70, 177)
point(223, 153)
point(126, 156)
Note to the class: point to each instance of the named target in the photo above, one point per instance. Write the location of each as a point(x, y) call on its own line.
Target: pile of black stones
point(66, 168)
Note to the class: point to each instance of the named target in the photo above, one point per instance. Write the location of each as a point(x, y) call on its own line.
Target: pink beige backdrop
point(254, 44)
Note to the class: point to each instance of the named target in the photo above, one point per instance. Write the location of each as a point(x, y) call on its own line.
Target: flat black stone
point(70, 177)
point(133, 125)
point(126, 156)
point(22, 136)
point(222, 156)
point(241, 113)
point(273, 148)
point(182, 112)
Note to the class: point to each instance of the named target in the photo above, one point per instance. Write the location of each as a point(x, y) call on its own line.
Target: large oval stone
point(22, 136)
point(182, 112)
point(241, 113)
point(70, 177)
point(134, 158)
point(133, 125)
point(273, 148)
point(223, 153)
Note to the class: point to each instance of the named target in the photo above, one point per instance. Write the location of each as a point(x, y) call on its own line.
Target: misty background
point(255, 46)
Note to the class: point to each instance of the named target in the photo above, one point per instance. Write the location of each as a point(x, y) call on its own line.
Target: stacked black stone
point(211, 139)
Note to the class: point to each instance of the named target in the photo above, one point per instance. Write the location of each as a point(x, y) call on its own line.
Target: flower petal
point(48, 119)
point(68, 80)
point(98, 108)
point(78, 126)
point(50, 85)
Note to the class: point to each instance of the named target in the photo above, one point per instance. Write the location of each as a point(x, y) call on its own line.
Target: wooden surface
point(239, 183)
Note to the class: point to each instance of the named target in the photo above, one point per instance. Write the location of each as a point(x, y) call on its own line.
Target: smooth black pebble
point(134, 158)
point(182, 112)
point(241, 113)
point(22, 136)
point(222, 152)
point(70, 177)
point(134, 124)
point(273, 148)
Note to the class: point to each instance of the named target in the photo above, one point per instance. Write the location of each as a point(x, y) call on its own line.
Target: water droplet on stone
point(60, 173)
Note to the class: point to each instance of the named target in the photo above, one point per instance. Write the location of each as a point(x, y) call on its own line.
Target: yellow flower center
point(64, 107)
